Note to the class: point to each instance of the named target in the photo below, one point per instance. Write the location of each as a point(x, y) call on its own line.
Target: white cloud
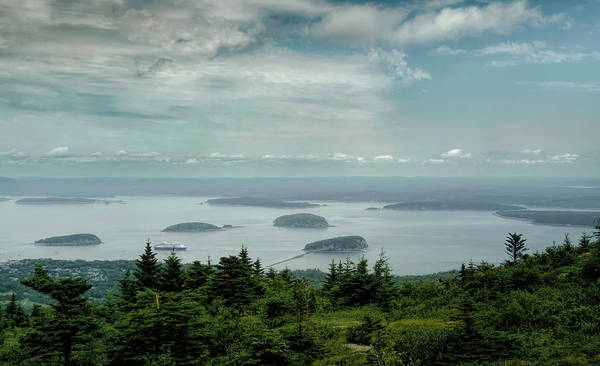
point(384, 158)
point(395, 64)
point(121, 153)
point(454, 23)
point(533, 52)
point(58, 151)
point(502, 63)
point(455, 153)
point(448, 51)
point(590, 87)
point(358, 23)
point(531, 151)
point(342, 156)
point(565, 158)
point(403, 160)
point(435, 161)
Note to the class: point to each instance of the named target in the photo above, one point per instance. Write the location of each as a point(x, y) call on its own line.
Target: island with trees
point(260, 202)
point(301, 220)
point(338, 244)
point(192, 227)
point(62, 201)
point(70, 240)
point(554, 217)
point(466, 205)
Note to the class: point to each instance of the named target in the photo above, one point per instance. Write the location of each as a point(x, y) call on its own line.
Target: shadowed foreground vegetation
point(534, 309)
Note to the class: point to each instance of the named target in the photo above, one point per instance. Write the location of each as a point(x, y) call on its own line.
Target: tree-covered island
point(301, 220)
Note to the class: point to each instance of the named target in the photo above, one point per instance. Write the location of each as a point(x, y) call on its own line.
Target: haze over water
point(417, 242)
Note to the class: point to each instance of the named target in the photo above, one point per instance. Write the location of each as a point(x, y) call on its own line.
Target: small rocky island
point(70, 240)
point(193, 227)
point(62, 201)
point(260, 202)
point(301, 220)
point(451, 205)
point(339, 244)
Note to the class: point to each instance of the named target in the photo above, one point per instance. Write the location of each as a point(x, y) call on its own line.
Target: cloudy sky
point(299, 88)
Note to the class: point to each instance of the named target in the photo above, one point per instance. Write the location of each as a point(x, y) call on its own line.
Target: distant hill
point(70, 240)
point(301, 220)
point(191, 227)
point(338, 244)
point(260, 202)
point(553, 217)
point(61, 201)
point(452, 205)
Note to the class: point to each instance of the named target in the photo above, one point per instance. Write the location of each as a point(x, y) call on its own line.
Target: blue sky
point(299, 88)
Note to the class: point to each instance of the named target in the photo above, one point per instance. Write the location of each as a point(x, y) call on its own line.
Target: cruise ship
point(169, 246)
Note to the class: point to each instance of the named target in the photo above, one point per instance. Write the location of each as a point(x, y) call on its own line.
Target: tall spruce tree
point(331, 277)
point(515, 246)
point(172, 276)
point(233, 282)
point(257, 268)
point(15, 315)
point(147, 268)
point(197, 275)
point(127, 287)
point(70, 323)
point(384, 289)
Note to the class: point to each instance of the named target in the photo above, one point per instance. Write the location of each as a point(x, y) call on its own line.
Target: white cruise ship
point(169, 246)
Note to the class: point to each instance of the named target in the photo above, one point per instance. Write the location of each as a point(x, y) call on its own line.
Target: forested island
point(260, 202)
point(191, 227)
point(534, 309)
point(301, 220)
point(467, 205)
point(554, 217)
point(338, 244)
point(70, 240)
point(62, 201)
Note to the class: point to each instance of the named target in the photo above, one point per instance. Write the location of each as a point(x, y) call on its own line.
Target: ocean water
point(416, 242)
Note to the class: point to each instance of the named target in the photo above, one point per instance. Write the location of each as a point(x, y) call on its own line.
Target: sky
point(181, 88)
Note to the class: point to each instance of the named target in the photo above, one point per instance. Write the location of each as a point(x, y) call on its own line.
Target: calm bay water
point(417, 242)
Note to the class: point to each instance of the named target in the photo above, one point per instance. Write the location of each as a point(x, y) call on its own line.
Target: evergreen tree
point(244, 257)
point(172, 275)
point(384, 288)
point(127, 287)
point(197, 275)
point(360, 284)
point(331, 278)
point(286, 276)
point(233, 282)
point(515, 246)
point(15, 315)
point(585, 242)
point(37, 315)
point(271, 274)
point(302, 298)
point(147, 269)
point(71, 322)
point(257, 267)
